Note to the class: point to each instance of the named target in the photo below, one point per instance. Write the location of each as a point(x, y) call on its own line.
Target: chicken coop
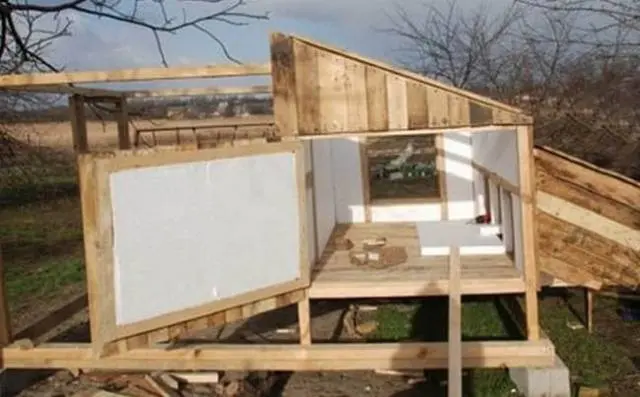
point(378, 183)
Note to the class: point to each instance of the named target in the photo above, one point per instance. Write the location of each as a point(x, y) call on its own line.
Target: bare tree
point(24, 33)
point(577, 76)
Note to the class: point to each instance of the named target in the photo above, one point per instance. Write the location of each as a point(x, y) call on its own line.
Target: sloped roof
point(320, 89)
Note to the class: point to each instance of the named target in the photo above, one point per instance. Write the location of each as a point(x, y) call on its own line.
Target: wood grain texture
point(283, 77)
point(377, 107)
point(417, 106)
point(307, 94)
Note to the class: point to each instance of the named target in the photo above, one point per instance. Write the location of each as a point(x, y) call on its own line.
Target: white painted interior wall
point(498, 152)
point(346, 176)
point(224, 228)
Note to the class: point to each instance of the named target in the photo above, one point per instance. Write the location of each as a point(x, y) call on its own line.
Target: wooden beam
point(597, 181)
point(285, 357)
point(455, 319)
point(406, 132)
point(65, 89)
point(589, 220)
point(528, 225)
point(215, 90)
point(497, 179)
point(141, 74)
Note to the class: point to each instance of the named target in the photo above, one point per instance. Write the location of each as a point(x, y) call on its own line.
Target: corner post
point(122, 116)
point(528, 224)
point(78, 123)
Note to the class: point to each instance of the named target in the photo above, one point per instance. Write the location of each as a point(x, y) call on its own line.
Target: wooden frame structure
point(319, 92)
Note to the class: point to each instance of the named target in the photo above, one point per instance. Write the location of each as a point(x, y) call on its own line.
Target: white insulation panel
point(194, 233)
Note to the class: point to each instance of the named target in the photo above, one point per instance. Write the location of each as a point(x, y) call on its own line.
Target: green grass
point(428, 322)
point(44, 280)
point(41, 239)
point(594, 360)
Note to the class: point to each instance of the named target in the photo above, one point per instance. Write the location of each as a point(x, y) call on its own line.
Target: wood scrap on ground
point(376, 255)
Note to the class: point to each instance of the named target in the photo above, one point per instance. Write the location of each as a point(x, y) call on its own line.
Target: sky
point(354, 25)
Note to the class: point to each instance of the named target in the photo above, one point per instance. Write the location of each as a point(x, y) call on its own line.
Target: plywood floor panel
point(335, 277)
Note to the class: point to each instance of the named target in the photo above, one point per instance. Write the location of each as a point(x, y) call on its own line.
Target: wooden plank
point(78, 120)
point(479, 114)
point(455, 323)
point(587, 252)
point(356, 92)
point(596, 180)
point(283, 75)
point(333, 96)
point(485, 101)
point(377, 107)
point(589, 220)
point(140, 74)
point(458, 111)
point(528, 225)
point(417, 106)
point(307, 89)
point(576, 194)
point(195, 91)
point(239, 313)
point(438, 107)
point(286, 357)
point(397, 103)
point(566, 271)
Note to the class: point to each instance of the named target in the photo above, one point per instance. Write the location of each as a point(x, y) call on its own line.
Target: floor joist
point(291, 357)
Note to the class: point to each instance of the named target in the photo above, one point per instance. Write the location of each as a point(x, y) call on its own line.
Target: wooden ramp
point(588, 221)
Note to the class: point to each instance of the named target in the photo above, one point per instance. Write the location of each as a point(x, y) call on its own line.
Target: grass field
point(41, 240)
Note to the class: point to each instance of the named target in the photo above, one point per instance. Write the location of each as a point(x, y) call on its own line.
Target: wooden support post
point(122, 115)
point(455, 314)
point(589, 308)
point(366, 179)
point(304, 319)
point(528, 226)
point(5, 318)
point(78, 123)
point(442, 176)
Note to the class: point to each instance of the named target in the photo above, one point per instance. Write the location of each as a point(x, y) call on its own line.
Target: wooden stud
point(528, 223)
point(304, 320)
point(5, 318)
point(122, 115)
point(438, 108)
point(442, 177)
point(78, 124)
point(366, 179)
point(455, 318)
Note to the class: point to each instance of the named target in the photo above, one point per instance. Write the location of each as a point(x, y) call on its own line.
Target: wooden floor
point(335, 277)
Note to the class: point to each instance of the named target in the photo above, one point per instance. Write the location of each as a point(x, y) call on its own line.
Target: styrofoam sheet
point(194, 233)
point(436, 238)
